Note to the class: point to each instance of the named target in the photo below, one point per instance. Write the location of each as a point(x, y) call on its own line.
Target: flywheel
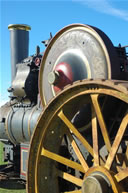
point(76, 52)
point(67, 157)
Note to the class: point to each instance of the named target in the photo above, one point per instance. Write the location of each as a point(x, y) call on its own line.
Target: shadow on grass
point(11, 184)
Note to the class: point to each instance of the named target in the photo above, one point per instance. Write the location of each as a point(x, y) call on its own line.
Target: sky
point(45, 16)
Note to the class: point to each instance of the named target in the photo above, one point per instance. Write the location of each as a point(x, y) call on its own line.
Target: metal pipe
point(19, 42)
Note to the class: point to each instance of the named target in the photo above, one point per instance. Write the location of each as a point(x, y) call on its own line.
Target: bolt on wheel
point(66, 157)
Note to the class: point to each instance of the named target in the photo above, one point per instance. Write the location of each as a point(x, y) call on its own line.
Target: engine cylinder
point(19, 123)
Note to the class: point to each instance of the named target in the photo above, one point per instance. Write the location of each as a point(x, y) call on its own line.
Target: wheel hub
point(96, 183)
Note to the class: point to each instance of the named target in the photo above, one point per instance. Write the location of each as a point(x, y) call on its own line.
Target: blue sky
point(111, 16)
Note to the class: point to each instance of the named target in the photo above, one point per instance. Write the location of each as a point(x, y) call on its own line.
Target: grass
point(11, 191)
point(8, 186)
point(1, 153)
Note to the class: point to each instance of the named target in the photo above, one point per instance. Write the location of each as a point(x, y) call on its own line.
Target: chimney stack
point(19, 41)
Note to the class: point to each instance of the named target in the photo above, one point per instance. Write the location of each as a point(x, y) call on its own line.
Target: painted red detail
point(26, 148)
point(37, 61)
point(23, 174)
point(65, 76)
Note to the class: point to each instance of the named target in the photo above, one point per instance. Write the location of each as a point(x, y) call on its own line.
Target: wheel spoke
point(116, 142)
point(77, 151)
point(95, 138)
point(122, 175)
point(78, 191)
point(70, 178)
point(62, 160)
point(75, 132)
point(101, 121)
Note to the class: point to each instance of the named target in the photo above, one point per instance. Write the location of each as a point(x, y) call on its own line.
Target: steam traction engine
point(69, 107)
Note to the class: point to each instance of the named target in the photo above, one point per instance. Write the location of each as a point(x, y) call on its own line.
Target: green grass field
point(11, 191)
point(8, 186)
point(1, 157)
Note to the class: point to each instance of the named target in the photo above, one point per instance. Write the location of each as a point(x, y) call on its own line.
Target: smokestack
point(19, 41)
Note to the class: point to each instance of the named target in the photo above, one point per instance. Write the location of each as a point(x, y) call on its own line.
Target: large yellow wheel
point(65, 157)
